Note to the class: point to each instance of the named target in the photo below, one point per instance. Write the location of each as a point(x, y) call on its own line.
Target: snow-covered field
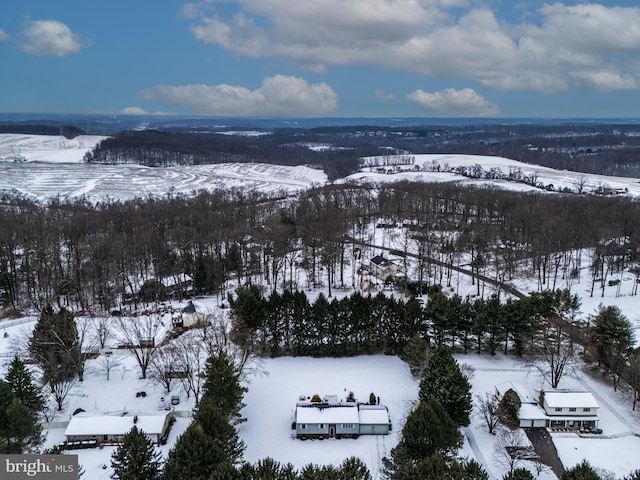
point(53, 167)
point(560, 179)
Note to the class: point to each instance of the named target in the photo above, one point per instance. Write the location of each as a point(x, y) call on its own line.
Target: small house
point(111, 428)
point(384, 268)
point(331, 418)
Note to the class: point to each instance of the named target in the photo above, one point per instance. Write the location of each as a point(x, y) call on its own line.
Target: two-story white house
point(570, 408)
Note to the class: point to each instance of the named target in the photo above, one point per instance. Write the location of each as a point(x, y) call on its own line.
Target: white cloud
point(3, 35)
point(277, 96)
point(557, 48)
point(133, 111)
point(50, 38)
point(452, 102)
point(382, 95)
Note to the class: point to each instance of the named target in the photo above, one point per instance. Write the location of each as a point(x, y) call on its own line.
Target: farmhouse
point(111, 428)
point(333, 419)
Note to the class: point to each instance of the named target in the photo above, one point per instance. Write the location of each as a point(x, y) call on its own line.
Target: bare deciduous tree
point(108, 362)
point(510, 448)
point(139, 336)
point(488, 408)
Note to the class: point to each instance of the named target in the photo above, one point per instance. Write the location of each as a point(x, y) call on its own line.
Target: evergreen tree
point(519, 474)
point(23, 387)
point(583, 471)
point(19, 427)
point(428, 430)
point(635, 475)
point(509, 408)
point(224, 435)
point(612, 336)
point(55, 346)
point(444, 382)
point(222, 385)
point(194, 456)
point(136, 458)
point(468, 470)
point(354, 469)
point(416, 354)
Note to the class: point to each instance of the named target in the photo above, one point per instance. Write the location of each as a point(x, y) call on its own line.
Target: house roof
point(83, 424)
point(529, 411)
point(380, 261)
point(373, 414)
point(569, 398)
point(523, 392)
point(328, 414)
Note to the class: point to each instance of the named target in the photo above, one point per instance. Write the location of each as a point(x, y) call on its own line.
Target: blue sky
point(322, 58)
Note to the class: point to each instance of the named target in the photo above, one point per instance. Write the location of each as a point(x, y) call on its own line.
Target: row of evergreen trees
point(288, 324)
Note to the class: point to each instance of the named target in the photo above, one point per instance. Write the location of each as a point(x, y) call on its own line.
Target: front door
point(332, 431)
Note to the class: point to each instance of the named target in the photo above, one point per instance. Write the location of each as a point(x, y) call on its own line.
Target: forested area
point(121, 254)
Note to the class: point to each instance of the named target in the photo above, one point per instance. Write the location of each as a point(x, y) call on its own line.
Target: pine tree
point(224, 435)
point(444, 382)
point(427, 431)
point(222, 386)
point(23, 387)
point(354, 469)
point(583, 471)
point(136, 458)
point(194, 456)
point(519, 474)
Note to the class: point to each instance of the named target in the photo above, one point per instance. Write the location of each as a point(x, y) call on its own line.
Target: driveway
point(545, 449)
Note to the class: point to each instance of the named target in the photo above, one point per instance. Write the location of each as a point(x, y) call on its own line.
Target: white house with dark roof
point(383, 268)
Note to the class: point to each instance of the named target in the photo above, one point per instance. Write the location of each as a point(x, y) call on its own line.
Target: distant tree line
point(162, 149)
point(68, 131)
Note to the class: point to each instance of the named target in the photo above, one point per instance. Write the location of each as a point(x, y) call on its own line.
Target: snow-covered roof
point(523, 392)
point(569, 398)
point(373, 414)
point(83, 424)
point(529, 411)
point(329, 414)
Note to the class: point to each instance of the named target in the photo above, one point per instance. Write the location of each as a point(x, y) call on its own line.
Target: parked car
point(175, 400)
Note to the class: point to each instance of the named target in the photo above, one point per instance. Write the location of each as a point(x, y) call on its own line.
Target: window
point(347, 425)
point(572, 409)
point(322, 425)
point(558, 409)
point(303, 426)
point(586, 409)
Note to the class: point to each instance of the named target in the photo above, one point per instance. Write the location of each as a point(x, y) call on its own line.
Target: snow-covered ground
point(46, 148)
point(273, 393)
point(53, 168)
point(560, 179)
